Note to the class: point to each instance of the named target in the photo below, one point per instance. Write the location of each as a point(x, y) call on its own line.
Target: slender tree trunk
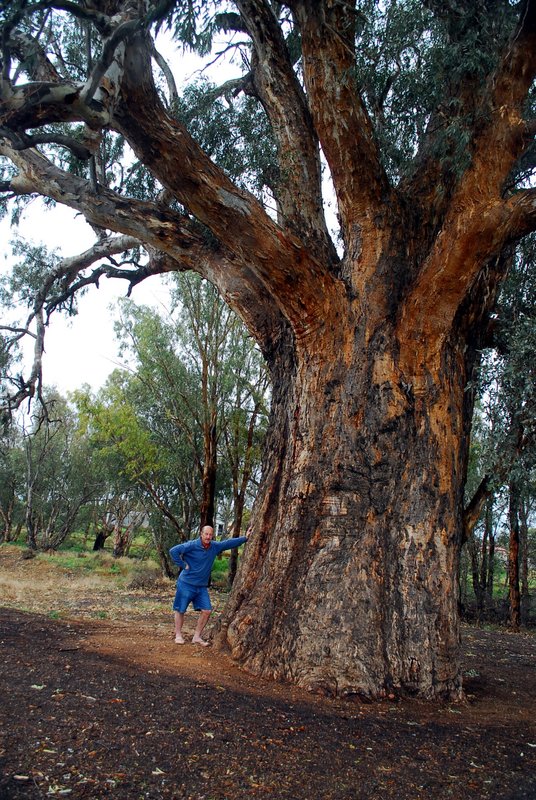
point(210, 467)
point(237, 524)
point(163, 557)
point(513, 557)
point(6, 515)
point(487, 549)
point(524, 559)
point(486, 536)
point(122, 540)
point(31, 529)
point(491, 570)
point(475, 571)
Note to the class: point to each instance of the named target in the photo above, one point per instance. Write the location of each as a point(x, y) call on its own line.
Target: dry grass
point(62, 585)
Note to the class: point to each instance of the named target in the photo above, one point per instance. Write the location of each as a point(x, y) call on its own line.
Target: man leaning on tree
point(196, 558)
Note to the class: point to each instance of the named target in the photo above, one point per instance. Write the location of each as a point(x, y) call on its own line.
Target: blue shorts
point(186, 594)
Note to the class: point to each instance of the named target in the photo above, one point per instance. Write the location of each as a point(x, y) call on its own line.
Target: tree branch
point(109, 53)
point(35, 60)
point(491, 115)
point(168, 75)
point(298, 188)
point(35, 104)
point(22, 141)
point(522, 207)
point(341, 120)
point(173, 241)
point(233, 215)
point(478, 223)
point(77, 10)
point(27, 388)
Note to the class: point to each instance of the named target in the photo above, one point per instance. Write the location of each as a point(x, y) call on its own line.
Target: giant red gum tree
point(349, 583)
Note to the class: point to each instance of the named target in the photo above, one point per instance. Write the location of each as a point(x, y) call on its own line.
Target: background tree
point(504, 432)
point(195, 381)
point(136, 472)
point(428, 139)
point(60, 475)
point(12, 471)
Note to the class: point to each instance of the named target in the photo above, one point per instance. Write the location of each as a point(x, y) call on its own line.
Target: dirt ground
point(112, 708)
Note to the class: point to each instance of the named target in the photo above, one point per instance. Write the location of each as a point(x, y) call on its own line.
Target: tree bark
point(524, 558)
point(513, 557)
point(350, 585)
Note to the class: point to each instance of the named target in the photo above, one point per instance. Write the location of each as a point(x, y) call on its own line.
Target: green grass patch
point(221, 566)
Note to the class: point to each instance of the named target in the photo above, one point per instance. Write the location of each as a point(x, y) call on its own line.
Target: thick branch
point(36, 104)
point(522, 206)
point(341, 120)
point(299, 183)
point(479, 223)
point(281, 262)
point(171, 238)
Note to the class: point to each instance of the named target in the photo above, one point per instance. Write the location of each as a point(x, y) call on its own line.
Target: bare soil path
point(98, 708)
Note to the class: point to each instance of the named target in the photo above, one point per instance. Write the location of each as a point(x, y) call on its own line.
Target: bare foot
point(199, 640)
point(179, 640)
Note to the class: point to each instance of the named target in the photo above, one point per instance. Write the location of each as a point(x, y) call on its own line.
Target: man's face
point(207, 534)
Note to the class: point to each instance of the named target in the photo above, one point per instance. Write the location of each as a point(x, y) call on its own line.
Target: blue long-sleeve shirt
point(197, 560)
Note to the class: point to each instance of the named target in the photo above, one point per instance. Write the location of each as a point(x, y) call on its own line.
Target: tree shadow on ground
point(104, 709)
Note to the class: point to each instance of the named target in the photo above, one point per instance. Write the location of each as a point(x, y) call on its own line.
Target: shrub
point(146, 578)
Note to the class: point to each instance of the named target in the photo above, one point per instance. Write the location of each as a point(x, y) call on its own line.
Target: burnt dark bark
point(100, 540)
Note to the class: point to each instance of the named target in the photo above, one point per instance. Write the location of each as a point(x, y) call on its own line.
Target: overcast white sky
point(80, 349)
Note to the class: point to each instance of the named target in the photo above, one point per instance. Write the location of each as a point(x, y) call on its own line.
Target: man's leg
point(201, 622)
point(179, 620)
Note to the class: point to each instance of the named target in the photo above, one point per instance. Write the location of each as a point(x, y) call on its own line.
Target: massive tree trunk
point(350, 585)
point(349, 581)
